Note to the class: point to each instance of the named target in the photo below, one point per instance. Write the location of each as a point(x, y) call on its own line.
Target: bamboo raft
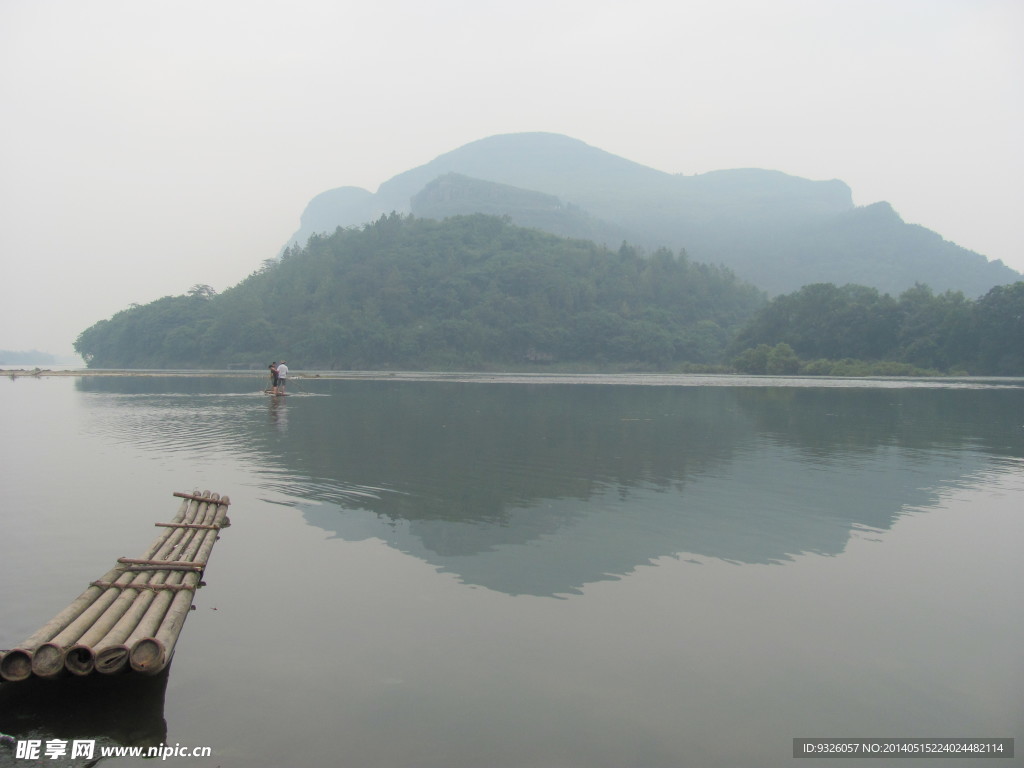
point(130, 618)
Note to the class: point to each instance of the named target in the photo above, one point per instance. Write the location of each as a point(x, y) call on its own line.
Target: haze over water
point(513, 571)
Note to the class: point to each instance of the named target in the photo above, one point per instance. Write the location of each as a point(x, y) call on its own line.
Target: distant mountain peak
point(776, 230)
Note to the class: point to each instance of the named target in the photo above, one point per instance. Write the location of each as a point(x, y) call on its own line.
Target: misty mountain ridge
point(779, 232)
point(455, 195)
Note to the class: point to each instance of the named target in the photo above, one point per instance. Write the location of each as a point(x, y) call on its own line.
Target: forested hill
point(467, 292)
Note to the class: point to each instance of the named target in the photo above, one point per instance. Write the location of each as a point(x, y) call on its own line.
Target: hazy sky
point(146, 146)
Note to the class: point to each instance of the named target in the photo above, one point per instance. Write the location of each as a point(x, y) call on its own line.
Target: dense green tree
point(471, 291)
point(782, 361)
point(824, 320)
point(837, 330)
point(999, 330)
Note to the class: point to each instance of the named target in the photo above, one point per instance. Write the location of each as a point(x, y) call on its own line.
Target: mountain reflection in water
point(542, 488)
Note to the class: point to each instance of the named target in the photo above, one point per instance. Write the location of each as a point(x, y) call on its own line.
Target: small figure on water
point(272, 389)
point(282, 378)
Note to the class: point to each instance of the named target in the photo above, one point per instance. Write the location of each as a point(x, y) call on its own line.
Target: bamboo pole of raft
point(153, 640)
point(80, 658)
point(71, 648)
point(112, 652)
point(103, 608)
point(49, 659)
point(16, 665)
point(151, 654)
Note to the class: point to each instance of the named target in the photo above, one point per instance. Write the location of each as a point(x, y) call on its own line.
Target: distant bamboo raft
point(129, 618)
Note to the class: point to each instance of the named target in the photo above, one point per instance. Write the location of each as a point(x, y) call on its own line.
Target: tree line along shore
point(481, 294)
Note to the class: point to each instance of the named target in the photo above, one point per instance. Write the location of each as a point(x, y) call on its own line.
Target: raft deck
point(130, 618)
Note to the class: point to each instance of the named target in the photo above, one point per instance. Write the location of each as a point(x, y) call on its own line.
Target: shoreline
point(548, 377)
point(16, 373)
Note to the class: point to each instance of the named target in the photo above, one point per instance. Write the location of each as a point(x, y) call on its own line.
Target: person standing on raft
point(282, 378)
point(273, 378)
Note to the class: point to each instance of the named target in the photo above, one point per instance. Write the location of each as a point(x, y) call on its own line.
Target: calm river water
point(466, 572)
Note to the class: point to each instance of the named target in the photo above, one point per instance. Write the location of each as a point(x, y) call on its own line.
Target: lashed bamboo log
point(17, 663)
point(151, 622)
point(151, 654)
point(80, 658)
point(50, 658)
point(111, 609)
point(147, 610)
point(112, 652)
